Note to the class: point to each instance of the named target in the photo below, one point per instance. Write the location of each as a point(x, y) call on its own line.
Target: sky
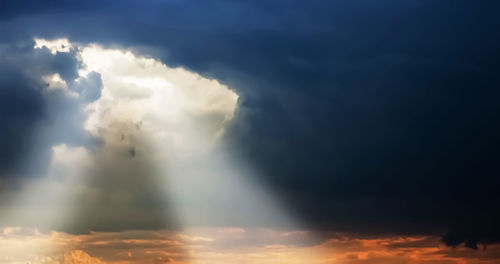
point(203, 131)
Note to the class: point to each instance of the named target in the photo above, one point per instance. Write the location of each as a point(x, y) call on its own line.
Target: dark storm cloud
point(368, 116)
point(21, 103)
point(20, 107)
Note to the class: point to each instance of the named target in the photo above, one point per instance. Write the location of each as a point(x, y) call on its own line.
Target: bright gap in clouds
point(162, 131)
point(182, 113)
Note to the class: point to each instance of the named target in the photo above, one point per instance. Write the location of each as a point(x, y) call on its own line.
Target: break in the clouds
point(146, 151)
point(179, 109)
point(363, 116)
point(136, 117)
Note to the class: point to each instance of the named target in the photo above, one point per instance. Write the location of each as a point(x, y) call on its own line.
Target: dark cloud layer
point(367, 116)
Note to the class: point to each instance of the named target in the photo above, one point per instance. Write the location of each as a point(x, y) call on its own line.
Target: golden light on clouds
point(223, 246)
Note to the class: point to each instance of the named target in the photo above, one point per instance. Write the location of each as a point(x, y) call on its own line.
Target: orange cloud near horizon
point(223, 245)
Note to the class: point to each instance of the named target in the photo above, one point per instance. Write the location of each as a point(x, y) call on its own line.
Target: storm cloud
point(366, 116)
